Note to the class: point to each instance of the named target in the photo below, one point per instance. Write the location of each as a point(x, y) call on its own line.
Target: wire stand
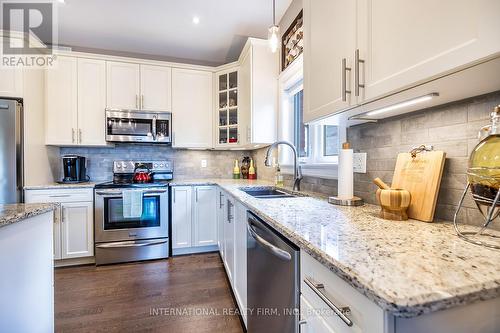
point(465, 235)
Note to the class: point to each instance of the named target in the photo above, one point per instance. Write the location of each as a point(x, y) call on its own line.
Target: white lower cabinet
point(205, 216)
point(229, 240)
point(221, 218)
point(77, 229)
point(181, 217)
point(240, 258)
point(312, 323)
point(365, 315)
point(194, 219)
point(233, 247)
point(73, 221)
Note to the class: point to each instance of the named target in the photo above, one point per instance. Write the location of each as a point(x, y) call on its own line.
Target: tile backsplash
point(452, 128)
point(187, 163)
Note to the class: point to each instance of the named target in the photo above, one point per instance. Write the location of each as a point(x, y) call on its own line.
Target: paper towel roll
point(346, 174)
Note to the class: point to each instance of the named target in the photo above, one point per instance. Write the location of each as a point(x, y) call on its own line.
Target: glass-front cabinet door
point(227, 108)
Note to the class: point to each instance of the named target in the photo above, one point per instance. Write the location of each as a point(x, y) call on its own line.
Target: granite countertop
point(408, 268)
point(14, 213)
point(60, 186)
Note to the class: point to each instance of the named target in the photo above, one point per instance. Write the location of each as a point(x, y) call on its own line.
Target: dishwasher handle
point(283, 255)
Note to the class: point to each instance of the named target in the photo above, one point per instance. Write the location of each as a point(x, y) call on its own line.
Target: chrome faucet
point(297, 172)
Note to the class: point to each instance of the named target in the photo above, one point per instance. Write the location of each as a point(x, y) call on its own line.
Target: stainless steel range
point(122, 239)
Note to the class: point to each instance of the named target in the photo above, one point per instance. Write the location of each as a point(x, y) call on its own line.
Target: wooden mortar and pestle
point(394, 202)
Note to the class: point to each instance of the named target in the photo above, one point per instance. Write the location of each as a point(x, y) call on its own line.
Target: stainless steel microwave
point(138, 126)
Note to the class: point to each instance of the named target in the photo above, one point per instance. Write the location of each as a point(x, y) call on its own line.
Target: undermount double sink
point(266, 192)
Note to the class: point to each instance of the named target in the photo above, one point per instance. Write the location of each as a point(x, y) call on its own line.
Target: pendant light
point(274, 30)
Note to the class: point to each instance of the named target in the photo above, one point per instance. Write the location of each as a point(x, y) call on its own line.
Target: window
point(330, 140)
point(301, 130)
point(318, 142)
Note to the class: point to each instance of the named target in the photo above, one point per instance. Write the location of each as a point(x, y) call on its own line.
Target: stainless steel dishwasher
point(273, 280)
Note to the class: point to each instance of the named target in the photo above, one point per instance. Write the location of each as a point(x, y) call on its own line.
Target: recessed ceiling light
point(61, 1)
point(196, 19)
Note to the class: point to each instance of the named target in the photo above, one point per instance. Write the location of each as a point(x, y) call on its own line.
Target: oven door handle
point(131, 244)
point(115, 193)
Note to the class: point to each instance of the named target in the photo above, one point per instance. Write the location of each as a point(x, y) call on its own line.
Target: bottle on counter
point(236, 170)
point(251, 171)
point(245, 164)
point(279, 177)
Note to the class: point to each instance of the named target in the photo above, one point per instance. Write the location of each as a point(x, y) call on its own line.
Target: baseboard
point(191, 250)
point(74, 262)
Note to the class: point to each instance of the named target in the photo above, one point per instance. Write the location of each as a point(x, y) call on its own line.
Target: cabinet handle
point(229, 216)
point(173, 194)
point(173, 138)
point(196, 194)
point(80, 135)
point(64, 217)
point(142, 102)
point(72, 135)
point(344, 79)
point(357, 61)
point(221, 203)
point(59, 196)
point(137, 101)
point(318, 289)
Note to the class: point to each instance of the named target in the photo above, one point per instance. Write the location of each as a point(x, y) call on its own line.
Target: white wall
point(37, 156)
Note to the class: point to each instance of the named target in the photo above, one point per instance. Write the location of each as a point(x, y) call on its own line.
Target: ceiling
point(164, 29)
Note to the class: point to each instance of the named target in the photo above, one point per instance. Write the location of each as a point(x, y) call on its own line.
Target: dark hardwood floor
point(123, 298)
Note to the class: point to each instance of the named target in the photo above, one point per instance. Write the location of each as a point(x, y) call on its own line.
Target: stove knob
point(156, 165)
point(124, 166)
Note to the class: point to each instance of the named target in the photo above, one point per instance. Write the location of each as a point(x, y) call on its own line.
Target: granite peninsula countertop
point(60, 186)
point(408, 268)
point(13, 213)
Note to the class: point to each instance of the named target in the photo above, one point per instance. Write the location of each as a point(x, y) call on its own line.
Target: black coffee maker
point(74, 169)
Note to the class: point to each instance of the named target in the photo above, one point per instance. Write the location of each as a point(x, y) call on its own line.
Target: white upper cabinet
point(357, 52)
point(75, 91)
point(192, 108)
point(258, 93)
point(123, 85)
point(91, 101)
point(205, 216)
point(156, 88)
point(405, 42)
point(181, 216)
point(141, 87)
point(11, 82)
point(330, 41)
point(61, 108)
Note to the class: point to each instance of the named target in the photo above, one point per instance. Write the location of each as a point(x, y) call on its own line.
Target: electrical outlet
point(203, 163)
point(359, 162)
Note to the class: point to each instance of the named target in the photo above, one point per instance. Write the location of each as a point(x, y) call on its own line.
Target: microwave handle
point(154, 127)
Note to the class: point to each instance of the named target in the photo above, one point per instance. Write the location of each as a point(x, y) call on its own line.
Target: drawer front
point(326, 291)
point(62, 195)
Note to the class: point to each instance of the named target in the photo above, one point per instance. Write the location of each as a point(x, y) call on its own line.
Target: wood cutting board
point(421, 176)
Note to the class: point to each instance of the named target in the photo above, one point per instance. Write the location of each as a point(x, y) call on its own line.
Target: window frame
point(316, 163)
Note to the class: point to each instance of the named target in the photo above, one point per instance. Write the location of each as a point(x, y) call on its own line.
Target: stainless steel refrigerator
point(11, 151)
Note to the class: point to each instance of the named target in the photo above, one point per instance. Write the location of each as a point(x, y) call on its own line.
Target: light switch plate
point(203, 163)
point(359, 162)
